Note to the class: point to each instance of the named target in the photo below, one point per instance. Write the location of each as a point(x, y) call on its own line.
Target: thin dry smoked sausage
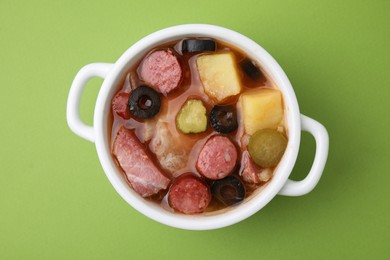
point(120, 105)
point(189, 194)
point(217, 158)
point(162, 71)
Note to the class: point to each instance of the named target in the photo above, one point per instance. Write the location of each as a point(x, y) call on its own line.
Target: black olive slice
point(224, 119)
point(251, 69)
point(229, 190)
point(144, 102)
point(197, 45)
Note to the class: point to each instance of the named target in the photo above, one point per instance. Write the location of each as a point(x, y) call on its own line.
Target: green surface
point(55, 200)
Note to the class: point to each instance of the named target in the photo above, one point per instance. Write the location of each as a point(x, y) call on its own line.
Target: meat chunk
point(148, 131)
point(217, 158)
point(120, 105)
point(171, 154)
point(162, 71)
point(145, 178)
point(251, 173)
point(189, 194)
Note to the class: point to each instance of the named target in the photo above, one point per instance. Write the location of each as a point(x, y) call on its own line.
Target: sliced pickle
point(192, 117)
point(266, 147)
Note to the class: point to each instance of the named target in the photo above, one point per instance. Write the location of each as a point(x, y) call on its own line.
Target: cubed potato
point(261, 109)
point(219, 75)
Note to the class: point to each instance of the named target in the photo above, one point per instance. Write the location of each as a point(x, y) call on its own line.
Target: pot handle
point(318, 131)
point(76, 90)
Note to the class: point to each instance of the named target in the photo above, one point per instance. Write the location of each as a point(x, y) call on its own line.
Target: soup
point(196, 126)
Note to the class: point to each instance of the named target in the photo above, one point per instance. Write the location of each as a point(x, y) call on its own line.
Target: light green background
point(55, 200)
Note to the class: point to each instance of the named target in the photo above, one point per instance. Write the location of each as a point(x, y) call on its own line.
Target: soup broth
point(177, 148)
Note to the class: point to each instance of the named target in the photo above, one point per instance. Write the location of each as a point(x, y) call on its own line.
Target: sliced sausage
point(162, 71)
point(217, 158)
point(189, 194)
point(120, 105)
point(143, 175)
point(251, 173)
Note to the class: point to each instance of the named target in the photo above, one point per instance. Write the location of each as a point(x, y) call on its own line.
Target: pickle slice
point(266, 147)
point(192, 117)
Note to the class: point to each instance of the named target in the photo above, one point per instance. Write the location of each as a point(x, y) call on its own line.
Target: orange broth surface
point(190, 87)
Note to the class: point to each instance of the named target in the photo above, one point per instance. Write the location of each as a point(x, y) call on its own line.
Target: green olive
point(266, 147)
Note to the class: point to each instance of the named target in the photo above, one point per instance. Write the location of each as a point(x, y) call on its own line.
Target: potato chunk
point(261, 109)
point(219, 75)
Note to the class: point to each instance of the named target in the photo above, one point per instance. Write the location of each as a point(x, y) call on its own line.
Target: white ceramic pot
point(296, 122)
